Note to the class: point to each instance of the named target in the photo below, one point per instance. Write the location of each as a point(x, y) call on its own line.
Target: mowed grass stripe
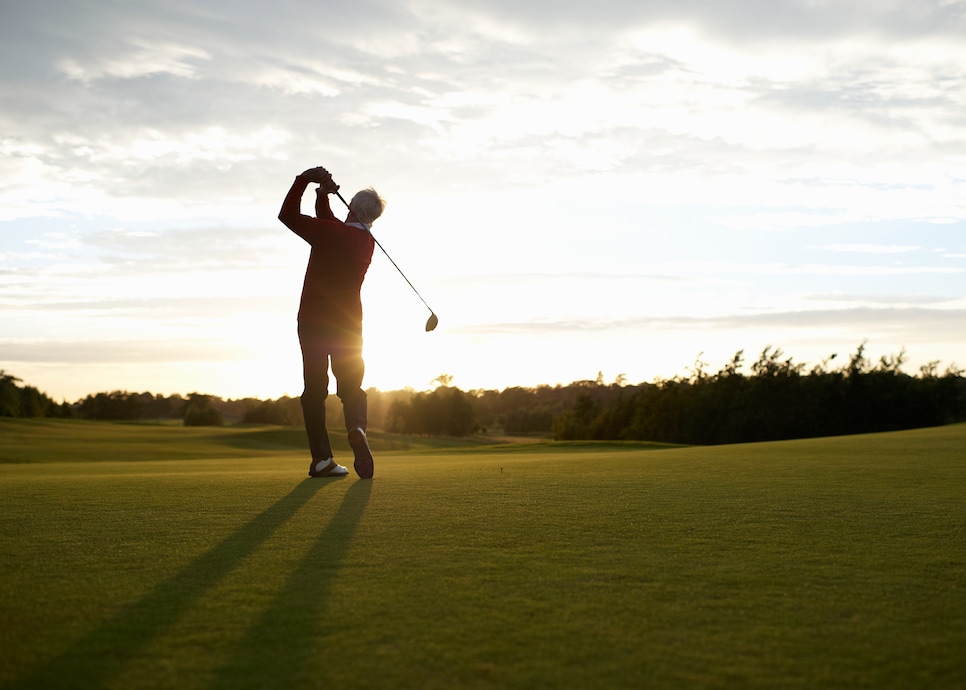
point(822, 563)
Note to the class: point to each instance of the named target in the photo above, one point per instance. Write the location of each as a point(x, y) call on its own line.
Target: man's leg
point(349, 369)
point(315, 373)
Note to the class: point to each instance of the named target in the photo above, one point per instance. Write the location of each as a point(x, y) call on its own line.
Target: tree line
point(445, 410)
point(27, 401)
point(779, 399)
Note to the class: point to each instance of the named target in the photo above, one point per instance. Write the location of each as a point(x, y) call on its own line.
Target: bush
point(199, 411)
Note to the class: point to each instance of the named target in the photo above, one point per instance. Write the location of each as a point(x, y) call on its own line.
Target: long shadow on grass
point(96, 658)
point(283, 646)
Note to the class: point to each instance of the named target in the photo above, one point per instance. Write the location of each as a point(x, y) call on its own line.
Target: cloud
point(872, 248)
point(118, 352)
point(741, 20)
point(485, 82)
point(566, 161)
point(891, 299)
point(157, 309)
point(142, 59)
point(196, 249)
point(764, 268)
point(897, 319)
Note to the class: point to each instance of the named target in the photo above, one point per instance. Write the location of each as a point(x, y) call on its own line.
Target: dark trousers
point(320, 344)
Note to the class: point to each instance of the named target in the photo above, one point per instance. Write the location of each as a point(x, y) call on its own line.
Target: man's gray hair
point(367, 205)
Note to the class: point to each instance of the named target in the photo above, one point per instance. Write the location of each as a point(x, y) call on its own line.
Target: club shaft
point(378, 244)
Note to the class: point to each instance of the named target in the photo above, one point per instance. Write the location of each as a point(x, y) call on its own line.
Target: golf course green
point(153, 556)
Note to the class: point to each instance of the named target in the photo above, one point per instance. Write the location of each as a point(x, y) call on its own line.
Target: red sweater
point(338, 262)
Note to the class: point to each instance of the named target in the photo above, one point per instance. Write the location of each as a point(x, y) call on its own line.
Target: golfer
point(330, 315)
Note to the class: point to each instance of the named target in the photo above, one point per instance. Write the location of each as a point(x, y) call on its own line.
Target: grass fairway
point(829, 563)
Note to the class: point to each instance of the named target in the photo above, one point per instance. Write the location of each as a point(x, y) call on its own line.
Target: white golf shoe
point(327, 468)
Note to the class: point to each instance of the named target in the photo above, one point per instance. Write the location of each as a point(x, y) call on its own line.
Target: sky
point(621, 189)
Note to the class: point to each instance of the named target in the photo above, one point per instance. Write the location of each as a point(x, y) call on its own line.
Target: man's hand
point(319, 175)
point(328, 187)
point(323, 178)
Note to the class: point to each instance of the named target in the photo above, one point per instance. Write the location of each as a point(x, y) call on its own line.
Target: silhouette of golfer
point(330, 315)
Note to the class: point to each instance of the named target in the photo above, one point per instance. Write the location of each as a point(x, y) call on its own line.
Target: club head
point(432, 322)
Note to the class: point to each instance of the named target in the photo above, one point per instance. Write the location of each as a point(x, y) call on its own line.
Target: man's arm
point(291, 212)
point(312, 230)
point(322, 209)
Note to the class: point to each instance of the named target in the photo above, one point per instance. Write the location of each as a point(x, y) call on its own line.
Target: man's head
point(366, 206)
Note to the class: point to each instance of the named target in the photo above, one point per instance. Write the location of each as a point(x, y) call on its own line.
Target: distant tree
point(160, 407)
point(443, 380)
point(26, 401)
point(577, 422)
point(200, 411)
point(524, 420)
point(33, 403)
point(444, 411)
point(116, 405)
point(460, 418)
point(10, 401)
point(284, 412)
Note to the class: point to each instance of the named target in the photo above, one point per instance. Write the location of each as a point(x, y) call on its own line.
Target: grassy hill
point(203, 558)
point(73, 440)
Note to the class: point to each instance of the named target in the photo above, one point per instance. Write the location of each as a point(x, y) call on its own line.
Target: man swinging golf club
point(330, 315)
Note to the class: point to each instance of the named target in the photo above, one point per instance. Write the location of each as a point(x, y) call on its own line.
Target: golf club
point(433, 320)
